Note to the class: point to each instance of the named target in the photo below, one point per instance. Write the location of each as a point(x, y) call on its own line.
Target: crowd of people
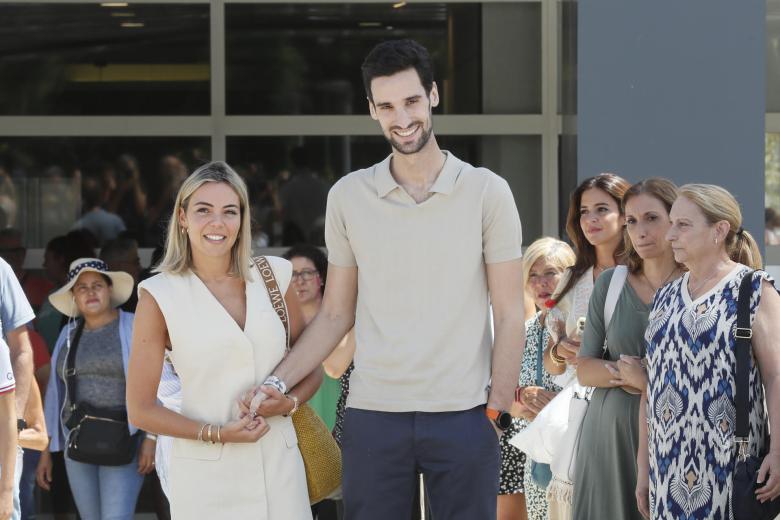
point(581, 380)
point(108, 197)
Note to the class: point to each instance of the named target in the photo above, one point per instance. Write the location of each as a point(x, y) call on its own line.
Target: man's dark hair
point(394, 56)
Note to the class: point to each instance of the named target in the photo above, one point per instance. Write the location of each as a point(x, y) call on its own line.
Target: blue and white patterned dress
point(691, 413)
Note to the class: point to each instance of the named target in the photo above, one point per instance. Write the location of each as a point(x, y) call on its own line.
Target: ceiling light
point(132, 25)
point(122, 14)
point(113, 4)
point(400, 4)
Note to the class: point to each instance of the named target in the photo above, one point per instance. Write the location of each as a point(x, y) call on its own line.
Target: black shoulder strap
point(743, 334)
point(70, 363)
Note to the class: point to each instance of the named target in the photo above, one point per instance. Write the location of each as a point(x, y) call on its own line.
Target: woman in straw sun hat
point(96, 341)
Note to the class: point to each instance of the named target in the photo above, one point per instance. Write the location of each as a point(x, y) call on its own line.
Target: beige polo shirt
point(422, 327)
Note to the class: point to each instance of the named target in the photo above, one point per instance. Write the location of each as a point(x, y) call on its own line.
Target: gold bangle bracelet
point(209, 434)
point(219, 434)
point(200, 432)
point(558, 360)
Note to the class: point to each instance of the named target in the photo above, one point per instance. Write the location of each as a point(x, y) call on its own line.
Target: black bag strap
point(70, 364)
point(743, 334)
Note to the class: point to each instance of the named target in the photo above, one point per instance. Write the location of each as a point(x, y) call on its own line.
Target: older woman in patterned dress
point(687, 419)
point(545, 261)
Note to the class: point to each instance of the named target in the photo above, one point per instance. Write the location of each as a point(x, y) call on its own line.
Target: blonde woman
point(520, 496)
point(689, 414)
point(209, 309)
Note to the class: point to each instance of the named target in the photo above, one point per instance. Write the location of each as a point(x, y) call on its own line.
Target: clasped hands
point(629, 373)
point(254, 407)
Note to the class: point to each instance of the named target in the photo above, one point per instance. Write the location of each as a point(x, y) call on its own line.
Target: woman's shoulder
point(281, 267)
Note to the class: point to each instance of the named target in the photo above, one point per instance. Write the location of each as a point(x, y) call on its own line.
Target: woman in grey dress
point(606, 466)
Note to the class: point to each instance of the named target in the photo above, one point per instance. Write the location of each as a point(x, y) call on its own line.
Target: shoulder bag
point(319, 450)
point(563, 463)
point(96, 436)
point(540, 472)
point(743, 491)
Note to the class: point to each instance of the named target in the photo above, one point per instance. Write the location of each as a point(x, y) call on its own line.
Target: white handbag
point(563, 462)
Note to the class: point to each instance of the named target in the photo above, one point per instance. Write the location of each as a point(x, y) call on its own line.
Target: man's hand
point(146, 456)
point(6, 503)
point(274, 403)
point(43, 471)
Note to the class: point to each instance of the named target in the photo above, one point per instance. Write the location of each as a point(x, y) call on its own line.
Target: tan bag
point(319, 450)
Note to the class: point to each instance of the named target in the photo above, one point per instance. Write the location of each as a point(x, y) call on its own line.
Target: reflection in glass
point(773, 56)
point(47, 184)
point(86, 59)
point(288, 177)
point(772, 189)
point(305, 58)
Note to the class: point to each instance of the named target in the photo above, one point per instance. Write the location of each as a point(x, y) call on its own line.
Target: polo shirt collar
point(445, 182)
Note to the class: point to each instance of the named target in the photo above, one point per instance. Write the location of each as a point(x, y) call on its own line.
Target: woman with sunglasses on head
point(606, 469)
point(594, 224)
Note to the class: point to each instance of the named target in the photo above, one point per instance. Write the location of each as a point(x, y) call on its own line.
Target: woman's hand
point(246, 429)
point(43, 471)
point(535, 398)
point(146, 456)
point(568, 350)
point(643, 492)
point(632, 371)
point(771, 488)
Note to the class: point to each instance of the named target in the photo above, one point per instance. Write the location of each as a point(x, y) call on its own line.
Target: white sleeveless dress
point(217, 362)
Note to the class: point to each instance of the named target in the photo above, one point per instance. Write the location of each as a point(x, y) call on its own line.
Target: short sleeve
point(7, 381)
point(15, 310)
point(336, 230)
point(502, 235)
point(595, 332)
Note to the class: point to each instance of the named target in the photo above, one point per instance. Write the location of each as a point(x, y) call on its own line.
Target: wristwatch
point(21, 424)
point(501, 418)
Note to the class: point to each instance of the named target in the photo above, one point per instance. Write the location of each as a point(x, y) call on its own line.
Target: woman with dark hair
point(606, 468)
point(594, 225)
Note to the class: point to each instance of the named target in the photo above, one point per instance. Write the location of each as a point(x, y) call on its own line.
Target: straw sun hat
point(121, 286)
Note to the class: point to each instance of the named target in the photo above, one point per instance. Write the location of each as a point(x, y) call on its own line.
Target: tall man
point(419, 245)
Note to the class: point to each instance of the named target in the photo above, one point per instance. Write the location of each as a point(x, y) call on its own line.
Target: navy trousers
point(457, 453)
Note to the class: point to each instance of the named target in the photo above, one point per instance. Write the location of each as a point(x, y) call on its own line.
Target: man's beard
point(415, 146)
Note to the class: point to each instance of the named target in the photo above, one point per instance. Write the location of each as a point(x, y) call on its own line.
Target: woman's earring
point(184, 230)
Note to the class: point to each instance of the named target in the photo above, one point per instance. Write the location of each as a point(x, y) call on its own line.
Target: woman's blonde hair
point(178, 252)
point(718, 204)
point(557, 252)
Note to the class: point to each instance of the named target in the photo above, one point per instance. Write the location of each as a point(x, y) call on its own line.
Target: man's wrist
point(277, 383)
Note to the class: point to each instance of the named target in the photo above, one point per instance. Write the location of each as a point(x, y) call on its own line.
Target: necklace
point(668, 277)
point(701, 284)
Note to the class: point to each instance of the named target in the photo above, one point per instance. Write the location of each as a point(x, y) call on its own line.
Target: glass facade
point(132, 96)
point(85, 59)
